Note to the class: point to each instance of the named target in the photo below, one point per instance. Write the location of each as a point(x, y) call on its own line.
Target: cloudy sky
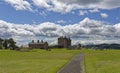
point(85, 21)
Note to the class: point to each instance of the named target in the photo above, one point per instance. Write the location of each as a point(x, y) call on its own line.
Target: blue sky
point(8, 13)
point(66, 14)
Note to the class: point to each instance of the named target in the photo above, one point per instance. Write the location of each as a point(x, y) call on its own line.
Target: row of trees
point(7, 44)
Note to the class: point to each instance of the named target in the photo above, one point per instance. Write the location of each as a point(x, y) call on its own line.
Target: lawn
point(35, 61)
point(106, 61)
point(42, 61)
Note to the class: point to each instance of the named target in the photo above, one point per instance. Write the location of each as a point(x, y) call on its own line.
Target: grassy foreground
point(35, 61)
point(42, 61)
point(106, 61)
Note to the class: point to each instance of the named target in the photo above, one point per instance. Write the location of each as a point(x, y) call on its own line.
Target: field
point(106, 61)
point(35, 61)
point(42, 61)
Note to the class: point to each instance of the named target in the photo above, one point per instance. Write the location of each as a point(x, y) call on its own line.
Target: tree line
point(8, 44)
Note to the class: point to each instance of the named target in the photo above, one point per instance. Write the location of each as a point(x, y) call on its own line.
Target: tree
point(1, 43)
point(5, 44)
point(11, 43)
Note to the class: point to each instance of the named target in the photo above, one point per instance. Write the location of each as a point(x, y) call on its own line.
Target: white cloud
point(94, 10)
point(20, 4)
point(60, 21)
point(102, 4)
point(83, 12)
point(42, 3)
point(87, 30)
point(104, 15)
point(64, 6)
point(58, 6)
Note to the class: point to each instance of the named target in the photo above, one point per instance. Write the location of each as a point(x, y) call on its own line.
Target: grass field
point(106, 61)
point(35, 61)
point(42, 61)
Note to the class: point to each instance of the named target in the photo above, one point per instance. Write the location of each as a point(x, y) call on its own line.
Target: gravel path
point(76, 65)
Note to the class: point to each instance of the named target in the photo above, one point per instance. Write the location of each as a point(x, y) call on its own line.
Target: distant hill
point(104, 46)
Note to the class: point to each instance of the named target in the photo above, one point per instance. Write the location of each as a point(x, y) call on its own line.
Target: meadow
point(34, 61)
point(105, 61)
point(42, 61)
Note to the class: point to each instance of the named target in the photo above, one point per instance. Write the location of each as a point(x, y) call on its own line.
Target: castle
point(39, 44)
point(64, 42)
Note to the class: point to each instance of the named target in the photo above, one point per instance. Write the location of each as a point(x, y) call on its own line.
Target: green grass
point(35, 61)
point(42, 61)
point(106, 61)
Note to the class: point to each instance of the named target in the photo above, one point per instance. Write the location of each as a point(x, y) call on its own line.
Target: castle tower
point(64, 42)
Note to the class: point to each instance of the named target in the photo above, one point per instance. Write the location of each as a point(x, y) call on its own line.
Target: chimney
point(41, 41)
point(38, 41)
point(32, 41)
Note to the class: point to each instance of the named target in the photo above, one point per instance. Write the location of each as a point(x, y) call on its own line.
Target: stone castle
point(64, 42)
point(39, 44)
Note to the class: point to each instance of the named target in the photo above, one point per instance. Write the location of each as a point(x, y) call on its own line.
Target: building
point(79, 46)
point(64, 42)
point(39, 44)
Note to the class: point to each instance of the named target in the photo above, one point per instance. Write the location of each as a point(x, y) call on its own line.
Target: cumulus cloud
point(42, 3)
point(64, 6)
point(104, 15)
point(87, 30)
point(102, 4)
point(20, 4)
point(83, 12)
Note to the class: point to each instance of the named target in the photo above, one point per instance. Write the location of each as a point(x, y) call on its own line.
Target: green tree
point(5, 44)
point(1, 43)
point(12, 43)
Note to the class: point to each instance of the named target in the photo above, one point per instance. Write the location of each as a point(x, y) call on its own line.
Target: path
point(76, 65)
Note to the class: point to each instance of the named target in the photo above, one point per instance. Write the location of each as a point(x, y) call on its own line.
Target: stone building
point(39, 44)
point(79, 46)
point(64, 42)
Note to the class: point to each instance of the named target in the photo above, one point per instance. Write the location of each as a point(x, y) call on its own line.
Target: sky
point(84, 21)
